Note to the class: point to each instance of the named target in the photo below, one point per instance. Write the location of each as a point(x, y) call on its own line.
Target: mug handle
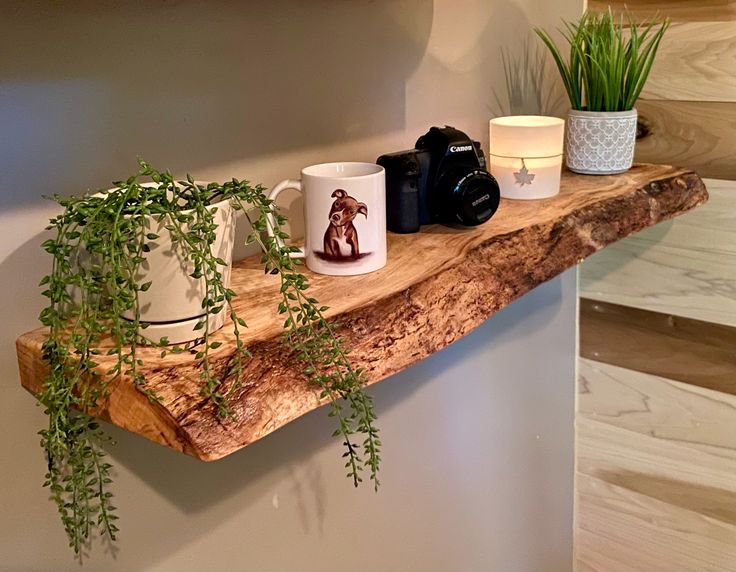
point(286, 184)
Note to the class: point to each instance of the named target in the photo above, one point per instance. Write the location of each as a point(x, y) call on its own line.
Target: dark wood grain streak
point(677, 10)
point(438, 286)
point(691, 351)
point(698, 134)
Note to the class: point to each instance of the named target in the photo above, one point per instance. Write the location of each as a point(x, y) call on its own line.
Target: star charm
point(524, 177)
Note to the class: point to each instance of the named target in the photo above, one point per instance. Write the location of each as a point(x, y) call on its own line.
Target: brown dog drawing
point(341, 238)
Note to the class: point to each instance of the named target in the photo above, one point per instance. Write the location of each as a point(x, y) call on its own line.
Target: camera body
point(442, 180)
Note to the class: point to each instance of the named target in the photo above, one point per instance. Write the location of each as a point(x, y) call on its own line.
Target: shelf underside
point(438, 285)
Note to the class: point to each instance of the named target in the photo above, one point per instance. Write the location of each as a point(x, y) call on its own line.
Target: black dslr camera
point(443, 180)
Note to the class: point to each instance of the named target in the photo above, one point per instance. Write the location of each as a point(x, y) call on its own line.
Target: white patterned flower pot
point(173, 303)
point(600, 142)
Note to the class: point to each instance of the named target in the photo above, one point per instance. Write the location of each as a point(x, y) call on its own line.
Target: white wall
point(257, 90)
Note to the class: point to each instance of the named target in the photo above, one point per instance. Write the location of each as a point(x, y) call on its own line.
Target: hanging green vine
point(101, 241)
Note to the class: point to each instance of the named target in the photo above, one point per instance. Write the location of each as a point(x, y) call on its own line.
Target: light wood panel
point(699, 135)
point(658, 407)
point(655, 480)
point(685, 268)
point(688, 107)
point(677, 10)
point(696, 62)
point(656, 458)
point(692, 351)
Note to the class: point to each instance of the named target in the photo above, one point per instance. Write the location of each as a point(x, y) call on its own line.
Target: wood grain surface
point(655, 489)
point(657, 457)
point(439, 285)
point(700, 135)
point(677, 10)
point(686, 267)
point(688, 107)
point(696, 62)
point(655, 485)
point(692, 351)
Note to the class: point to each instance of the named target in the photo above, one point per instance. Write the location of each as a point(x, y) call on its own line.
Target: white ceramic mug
point(344, 217)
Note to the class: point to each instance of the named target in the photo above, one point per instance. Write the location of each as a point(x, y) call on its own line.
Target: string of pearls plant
point(101, 241)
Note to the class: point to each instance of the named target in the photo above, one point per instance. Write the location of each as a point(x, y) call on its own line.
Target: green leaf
point(605, 71)
point(111, 227)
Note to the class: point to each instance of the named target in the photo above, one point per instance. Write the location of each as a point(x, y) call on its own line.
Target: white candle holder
point(526, 155)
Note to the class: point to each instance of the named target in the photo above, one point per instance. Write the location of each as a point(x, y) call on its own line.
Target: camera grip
point(402, 207)
point(283, 185)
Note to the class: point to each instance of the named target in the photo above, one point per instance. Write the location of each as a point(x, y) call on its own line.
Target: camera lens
point(473, 196)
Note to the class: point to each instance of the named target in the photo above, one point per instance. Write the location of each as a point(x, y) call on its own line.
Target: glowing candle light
point(526, 155)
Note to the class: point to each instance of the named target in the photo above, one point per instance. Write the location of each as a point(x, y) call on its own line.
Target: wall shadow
point(530, 86)
point(215, 481)
point(88, 86)
point(290, 454)
point(619, 257)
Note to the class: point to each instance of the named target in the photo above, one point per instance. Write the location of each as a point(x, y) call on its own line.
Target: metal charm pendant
point(523, 176)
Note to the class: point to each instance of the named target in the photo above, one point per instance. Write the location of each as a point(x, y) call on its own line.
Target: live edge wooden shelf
point(438, 285)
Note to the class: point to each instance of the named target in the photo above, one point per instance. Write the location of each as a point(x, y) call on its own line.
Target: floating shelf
point(439, 285)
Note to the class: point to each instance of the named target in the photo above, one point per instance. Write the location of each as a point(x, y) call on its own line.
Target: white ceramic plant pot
point(600, 142)
point(173, 303)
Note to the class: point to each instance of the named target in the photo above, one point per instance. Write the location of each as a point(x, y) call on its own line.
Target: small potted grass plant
point(609, 61)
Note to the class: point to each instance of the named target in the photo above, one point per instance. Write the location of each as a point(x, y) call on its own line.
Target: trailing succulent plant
point(609, 61)
point(101, 240)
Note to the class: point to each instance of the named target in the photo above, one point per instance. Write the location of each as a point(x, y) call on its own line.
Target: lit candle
point(526, 155)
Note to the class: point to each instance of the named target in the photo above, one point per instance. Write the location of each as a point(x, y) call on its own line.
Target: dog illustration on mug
point(341, 236)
